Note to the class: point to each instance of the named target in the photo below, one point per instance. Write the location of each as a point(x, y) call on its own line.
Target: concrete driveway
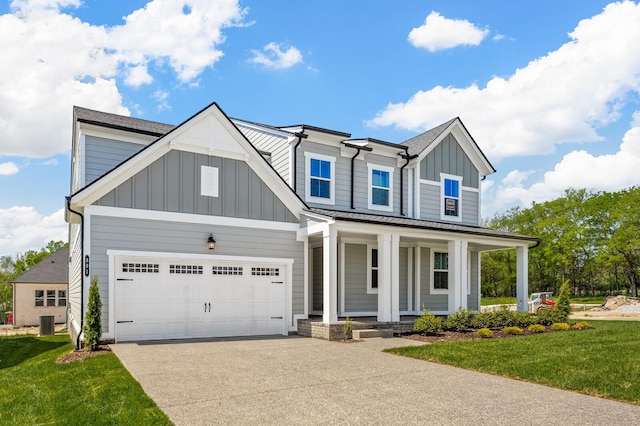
point(297, 381)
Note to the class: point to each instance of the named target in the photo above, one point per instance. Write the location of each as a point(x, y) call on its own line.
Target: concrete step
point(366, 333)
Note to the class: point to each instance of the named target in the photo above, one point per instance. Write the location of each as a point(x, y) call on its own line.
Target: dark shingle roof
point(419, 224)
point(53, 269)
point(121, 122)
point(418, 143)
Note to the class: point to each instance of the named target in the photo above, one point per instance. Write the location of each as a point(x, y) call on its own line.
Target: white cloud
point(8, 168)
point(438, 33)
point(276, 58)
point(161, 97)
point(578, 169)
point(561, 97)
point(22, 228)
point(52, 61)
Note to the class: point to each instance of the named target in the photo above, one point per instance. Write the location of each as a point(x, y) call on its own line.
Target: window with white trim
point(265, 272)
point(380, 187)
point(144, 268)
point(39, 297)
point(62, 297)
point(451, 197)
point(440, 272)
point(372, 270)
point(226, 270)
point(51, 298)
point(186, 269)
point(320, 178)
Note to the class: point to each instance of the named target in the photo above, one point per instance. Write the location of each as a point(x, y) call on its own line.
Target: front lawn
point(600, 361)
point(99, 390)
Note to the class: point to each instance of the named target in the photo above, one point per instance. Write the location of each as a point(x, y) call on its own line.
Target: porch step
point(366, 333)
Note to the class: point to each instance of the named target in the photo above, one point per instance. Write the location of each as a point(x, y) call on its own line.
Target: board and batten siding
point(277, 146)
point(448, 157)
point(172, 184)
point(342, 178)
point(356, 298)
point(110, 233)
point(102, 155)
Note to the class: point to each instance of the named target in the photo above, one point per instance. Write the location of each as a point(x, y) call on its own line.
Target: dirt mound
point(623, 303)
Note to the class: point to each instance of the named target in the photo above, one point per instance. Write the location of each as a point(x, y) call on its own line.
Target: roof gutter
point(408, 158)
point(81, 273)
point(300, 136)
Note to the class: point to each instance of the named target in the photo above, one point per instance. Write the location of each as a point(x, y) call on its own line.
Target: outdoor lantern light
point(211, 243)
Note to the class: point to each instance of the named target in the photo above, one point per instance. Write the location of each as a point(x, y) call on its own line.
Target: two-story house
point(225, 227)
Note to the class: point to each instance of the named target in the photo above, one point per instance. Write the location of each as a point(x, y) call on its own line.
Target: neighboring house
point(42, 290)
point(304, 222)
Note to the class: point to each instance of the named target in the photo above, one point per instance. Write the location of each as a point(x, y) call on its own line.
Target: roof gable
point(53, 269)
point(208, 132)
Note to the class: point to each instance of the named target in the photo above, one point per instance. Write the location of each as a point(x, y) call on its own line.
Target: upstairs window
point(451, 197)
point(440, 276)
point(320, 179)
point(39, 297)
point(380, 188)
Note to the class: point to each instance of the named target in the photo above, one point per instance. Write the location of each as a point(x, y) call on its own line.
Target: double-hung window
point(451, 189)
point(380, 187)
point(39, 297)
point(440, 276)
point(320, 178)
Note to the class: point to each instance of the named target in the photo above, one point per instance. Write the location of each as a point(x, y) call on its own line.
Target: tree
point(563, 303)
point(93, 317)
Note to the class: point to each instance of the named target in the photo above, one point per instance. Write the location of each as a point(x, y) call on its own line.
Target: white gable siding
point(277, 146)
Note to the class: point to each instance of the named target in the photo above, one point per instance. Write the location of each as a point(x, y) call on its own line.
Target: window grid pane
point(39, 297)
point(380, 197)
point(51, 298)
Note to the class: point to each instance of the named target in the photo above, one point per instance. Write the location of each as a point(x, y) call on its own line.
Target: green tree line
point(11, 268)
point(591, 239)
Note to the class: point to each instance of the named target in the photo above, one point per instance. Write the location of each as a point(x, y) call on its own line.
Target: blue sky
point(549, 90)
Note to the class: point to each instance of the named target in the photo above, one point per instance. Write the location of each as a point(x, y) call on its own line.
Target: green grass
point(97, 391)
point(485, 301)
point(600, 361)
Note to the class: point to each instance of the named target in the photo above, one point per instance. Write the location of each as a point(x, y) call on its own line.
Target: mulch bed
point(452, 336)
point(82, 354)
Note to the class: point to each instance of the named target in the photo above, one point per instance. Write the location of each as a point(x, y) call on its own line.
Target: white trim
point(189, 218)
point(360, 314)
point(432, 270)
point(305, 279)
point(430, 182)
point(409, 280)
point(468, 277)
point(308, 156)
point(470, 189)
point(458, 179)
point(479, 279)
point(341, 281)
point(370, 168)
point(370, 289)
point(209, 181)
point(410, 197)
point(417, 265)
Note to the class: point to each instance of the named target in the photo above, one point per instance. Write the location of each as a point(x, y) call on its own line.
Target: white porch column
point(329, 275)
point(455, 280)
point(464, 273)
point(384, 277)
point(395, 277)
point(522, 278)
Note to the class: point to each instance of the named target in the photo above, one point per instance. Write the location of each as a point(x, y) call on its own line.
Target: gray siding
point(343, 178)
point(108, 233)
point(470, 208)
point(277, 146)
point(472, 299)
point(172, 183)
point(432, 302)
point(404, 277)
point(431, 200)
point(102, 155)
point(75, 273)
point(356, 298)
point(448, 157)
point(317, 275)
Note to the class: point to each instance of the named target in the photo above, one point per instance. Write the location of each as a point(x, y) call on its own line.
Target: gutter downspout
point(353, 160)
point(81, 271)
point(408, 158)
point(300, 136)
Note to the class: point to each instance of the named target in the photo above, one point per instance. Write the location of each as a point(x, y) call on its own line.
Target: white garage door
point(164, 299)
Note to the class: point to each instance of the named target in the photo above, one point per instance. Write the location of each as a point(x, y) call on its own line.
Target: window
point(39, 297)
point(380, 187)
point(372, 266)
point(185, 269)
point(320, 182)
point(440, 277)
point(451, 197)
point(145, 268)
point(227, 270)
point(265, 272)
point(62, 297)
point(51, 298)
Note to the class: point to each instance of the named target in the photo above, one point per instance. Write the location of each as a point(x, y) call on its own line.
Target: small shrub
point(513, 330)
point(483, 320)
point(460, 320)
point(485, 333)
point(549, 316)
point(347, 329)
point(580, 325)
point(523, 319)
point(93, 317)
point(559, 326)
point(536, 328)
point(428, 323)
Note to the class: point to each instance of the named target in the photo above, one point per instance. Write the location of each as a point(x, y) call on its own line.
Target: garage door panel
point(166, 300)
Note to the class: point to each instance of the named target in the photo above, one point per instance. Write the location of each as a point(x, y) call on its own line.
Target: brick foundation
point(317, 329)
